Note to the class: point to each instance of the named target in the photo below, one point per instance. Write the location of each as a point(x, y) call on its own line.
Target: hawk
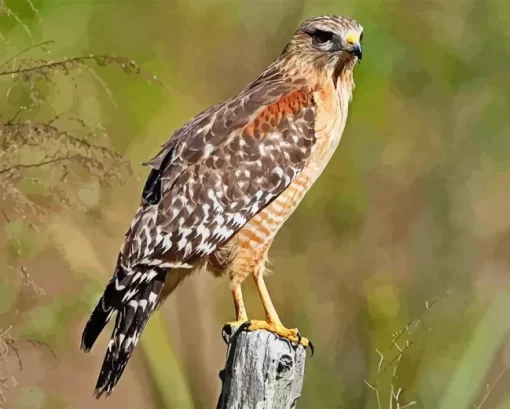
point(225, 183)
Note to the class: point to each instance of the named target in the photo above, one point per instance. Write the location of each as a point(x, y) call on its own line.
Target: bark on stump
point(263, 370)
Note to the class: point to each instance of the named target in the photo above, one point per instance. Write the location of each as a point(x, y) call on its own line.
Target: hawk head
point(327, 41)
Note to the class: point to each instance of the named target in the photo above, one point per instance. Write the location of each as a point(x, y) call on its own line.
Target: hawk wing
point(219, 170)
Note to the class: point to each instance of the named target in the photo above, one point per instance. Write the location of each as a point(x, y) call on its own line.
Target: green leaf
point(488, 337)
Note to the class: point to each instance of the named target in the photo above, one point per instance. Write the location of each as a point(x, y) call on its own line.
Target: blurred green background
point(402, 245)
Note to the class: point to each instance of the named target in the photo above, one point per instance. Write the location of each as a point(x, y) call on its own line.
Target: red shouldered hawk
point(226, 182)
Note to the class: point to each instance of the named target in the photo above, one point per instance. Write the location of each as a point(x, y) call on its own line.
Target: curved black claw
point(312, 348)
point(298, 343)
point(226, 333)
point(244, 326)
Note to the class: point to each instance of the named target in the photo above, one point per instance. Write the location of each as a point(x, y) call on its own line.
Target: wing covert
point(219, 171)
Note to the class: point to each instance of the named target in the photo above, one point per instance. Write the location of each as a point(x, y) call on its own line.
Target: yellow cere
point(352, 38)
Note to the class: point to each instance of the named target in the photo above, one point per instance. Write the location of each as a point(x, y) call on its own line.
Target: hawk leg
point(273, 323)
point(241, 316)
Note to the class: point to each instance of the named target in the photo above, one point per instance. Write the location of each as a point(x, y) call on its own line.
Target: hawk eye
point(321, 37)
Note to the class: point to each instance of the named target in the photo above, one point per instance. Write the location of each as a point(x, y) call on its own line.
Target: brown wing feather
point(219, 171)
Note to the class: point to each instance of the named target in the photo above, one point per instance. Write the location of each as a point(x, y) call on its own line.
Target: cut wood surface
point(263, 370)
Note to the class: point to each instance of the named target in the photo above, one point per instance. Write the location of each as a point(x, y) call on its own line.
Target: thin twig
point(9, 12)
point(418, 320)
point(489, 390)
point(6, 218)
point(41, 44)
point(381, 360)
point(36, 165)
point(20, 70)
point(401, 352)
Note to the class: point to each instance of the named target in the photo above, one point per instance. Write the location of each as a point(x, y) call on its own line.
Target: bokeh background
point(396, 264)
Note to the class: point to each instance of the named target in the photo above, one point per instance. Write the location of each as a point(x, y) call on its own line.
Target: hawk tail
point(138, 302)
point(97, 321)
point(102, 313)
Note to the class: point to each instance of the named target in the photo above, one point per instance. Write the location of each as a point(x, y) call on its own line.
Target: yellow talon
point(278, 329)
point(235, 324)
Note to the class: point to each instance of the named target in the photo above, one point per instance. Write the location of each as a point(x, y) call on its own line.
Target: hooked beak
point(353, 40)
point(355, 49)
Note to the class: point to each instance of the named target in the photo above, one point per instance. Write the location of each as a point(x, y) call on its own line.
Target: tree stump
point(263, 370)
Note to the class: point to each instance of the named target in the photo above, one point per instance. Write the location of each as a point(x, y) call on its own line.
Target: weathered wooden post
point(263, 371)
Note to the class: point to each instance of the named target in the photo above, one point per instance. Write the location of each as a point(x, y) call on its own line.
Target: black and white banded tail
point(132, 294)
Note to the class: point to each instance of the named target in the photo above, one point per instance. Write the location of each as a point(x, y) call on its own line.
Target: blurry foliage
point(9, 348)
point(44, 160)
point(390, 388)
point(55, 155)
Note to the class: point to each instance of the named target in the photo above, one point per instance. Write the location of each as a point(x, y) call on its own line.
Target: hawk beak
point(355, 49)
